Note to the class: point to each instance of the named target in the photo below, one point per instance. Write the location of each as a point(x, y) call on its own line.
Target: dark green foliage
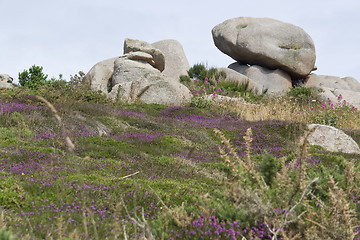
point(33, 78)
point(184, 79)
point(198, 72)
point(301, 93)
point(268, 168)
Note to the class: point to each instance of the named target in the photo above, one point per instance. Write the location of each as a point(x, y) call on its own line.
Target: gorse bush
point(33, 78)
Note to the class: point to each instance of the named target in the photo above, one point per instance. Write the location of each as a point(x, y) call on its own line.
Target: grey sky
point(66, 36)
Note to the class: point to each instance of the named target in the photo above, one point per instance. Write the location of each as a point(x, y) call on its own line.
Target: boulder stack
point(272, 55)
point(268, 43)
point(137, 76)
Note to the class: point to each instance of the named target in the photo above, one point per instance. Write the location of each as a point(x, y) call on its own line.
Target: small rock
point(332, 139)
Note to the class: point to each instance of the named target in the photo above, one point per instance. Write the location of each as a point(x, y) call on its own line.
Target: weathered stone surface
point(333, 87)
point(132, 45)
point(154, 88)
point(320, 81)
point(140, 56)
point(176, 63)
point(126, 70)
point(332, 139)
point(267, 42)
point(6, 81)
point(138, 81)
point(276, 82)
point(99, 76)
point(238, 78)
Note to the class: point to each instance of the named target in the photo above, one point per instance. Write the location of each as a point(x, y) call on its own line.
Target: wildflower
point(22, 174)
point(339, 97)
point(206, 82)
point(219, 90)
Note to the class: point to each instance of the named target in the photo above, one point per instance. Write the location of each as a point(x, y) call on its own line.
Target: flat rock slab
point(267, 42)
point(332, 139)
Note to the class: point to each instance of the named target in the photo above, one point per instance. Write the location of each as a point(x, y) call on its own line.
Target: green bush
point(198, 72)
point(33, 78)
point(241, 90)
point(184, 79)
point(301, 93)
point(200, 102)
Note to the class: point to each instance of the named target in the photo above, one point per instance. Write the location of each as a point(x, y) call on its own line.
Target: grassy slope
point(167, 164)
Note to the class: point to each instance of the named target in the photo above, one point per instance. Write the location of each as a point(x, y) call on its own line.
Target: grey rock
point(238, 78)
point(6, 81)
point(99, 76)
point(267, 42)
point(331, 87)
point(176, 63)
point(140, 56)
point(126, 70)
point(332, 139)
point(132, 45)
point(155, 88)
point(276, 82)
point(346, 83)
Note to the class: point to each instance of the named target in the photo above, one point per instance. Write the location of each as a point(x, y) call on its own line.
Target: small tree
point(32, 78)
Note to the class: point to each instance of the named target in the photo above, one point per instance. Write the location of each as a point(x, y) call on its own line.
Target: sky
point(68, 36)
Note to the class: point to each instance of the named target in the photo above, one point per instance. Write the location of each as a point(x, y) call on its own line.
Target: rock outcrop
point(268, 43)
point(274, 82)
point(99, 76)
point(175, 58)
point(6, 81)
point(332, 139)
point(132, 45)
point(336, 89)
point(136, 76)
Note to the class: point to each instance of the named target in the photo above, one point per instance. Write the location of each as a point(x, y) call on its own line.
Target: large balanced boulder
point(175, 58)
point(274, 82)
point(267, 42)
point(6, 81)
point(332, 139)
point(336, 89)
point(132, 45)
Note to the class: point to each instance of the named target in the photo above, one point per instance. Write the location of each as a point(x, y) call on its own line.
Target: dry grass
point(273, 109)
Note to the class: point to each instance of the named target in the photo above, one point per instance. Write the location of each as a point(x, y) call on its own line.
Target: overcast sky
point(66, 36)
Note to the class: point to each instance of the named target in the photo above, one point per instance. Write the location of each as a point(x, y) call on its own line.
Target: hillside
point(212, 170)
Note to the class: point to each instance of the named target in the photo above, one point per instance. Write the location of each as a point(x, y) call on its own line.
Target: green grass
point(165, 160)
